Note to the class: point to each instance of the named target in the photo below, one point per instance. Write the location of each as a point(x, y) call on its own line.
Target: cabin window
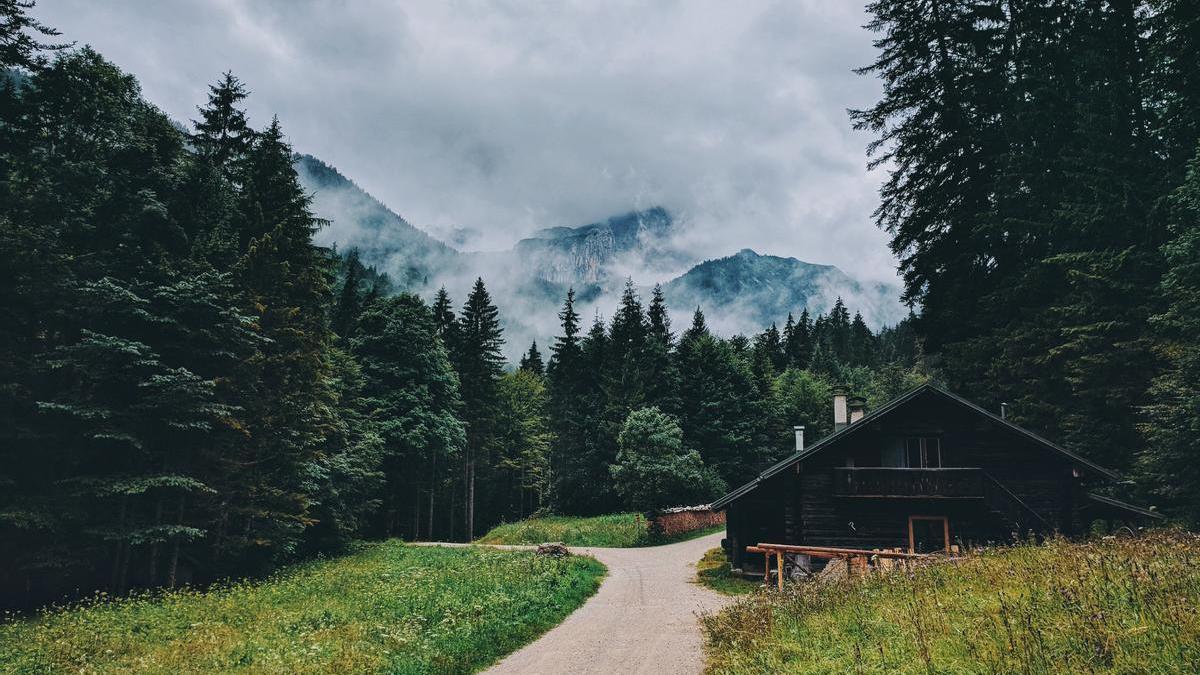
point(894, 454)
point(924, 452)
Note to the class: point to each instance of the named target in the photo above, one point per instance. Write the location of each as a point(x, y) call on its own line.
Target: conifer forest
point(192, 389)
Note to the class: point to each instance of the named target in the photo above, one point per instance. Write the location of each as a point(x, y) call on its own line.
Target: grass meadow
point(385, 608)
point(618, 530)
point(1106, 606)
point(713, 571)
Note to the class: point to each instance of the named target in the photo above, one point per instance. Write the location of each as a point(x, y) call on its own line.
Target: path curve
point(644, 618)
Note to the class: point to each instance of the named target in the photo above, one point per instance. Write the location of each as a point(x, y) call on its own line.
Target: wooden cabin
point(923, 472)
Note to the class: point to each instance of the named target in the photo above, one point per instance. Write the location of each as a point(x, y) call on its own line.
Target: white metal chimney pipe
point(799, 437)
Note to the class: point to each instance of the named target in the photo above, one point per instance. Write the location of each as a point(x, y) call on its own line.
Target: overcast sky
point(508, 116)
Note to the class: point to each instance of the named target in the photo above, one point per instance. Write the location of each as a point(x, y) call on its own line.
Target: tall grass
point(618, 530)
point(1112, 605)
point(387, 608)
point(713, 571)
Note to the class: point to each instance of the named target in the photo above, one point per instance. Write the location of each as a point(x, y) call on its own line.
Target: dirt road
point(644, 618)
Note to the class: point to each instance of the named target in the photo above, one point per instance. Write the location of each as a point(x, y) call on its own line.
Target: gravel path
point(644, 618)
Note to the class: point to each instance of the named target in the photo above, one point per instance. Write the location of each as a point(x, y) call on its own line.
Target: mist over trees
point(191, 390)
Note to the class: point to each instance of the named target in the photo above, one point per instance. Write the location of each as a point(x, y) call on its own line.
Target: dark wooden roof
point(894, 405)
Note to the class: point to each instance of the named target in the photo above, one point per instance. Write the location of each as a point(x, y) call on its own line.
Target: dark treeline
point(731, 401)
point(1042, 201)
point(192, 390)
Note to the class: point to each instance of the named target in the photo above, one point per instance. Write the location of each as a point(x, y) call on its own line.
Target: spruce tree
point(349, 303)
point(415, 401)
point(444, 321)
point(622, 372)
point(479, 362)
point(862, 349)
point(798, 343)
point(223, 136)
point(1168, 463)
point(565, 387)
point(661, 379)
point(287, 388)
point(21, 37)
point(532, 361)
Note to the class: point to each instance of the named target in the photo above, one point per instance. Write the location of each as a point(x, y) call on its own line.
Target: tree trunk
point(471, 507)
point(153, 577)
point(432, 489)
point(416, 514)
point(120, 547)
point(467, 493)
point(173, 566)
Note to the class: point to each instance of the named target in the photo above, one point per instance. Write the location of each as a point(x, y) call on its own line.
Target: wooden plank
point(829, 551)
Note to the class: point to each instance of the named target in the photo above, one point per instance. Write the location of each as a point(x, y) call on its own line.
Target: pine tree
point(287, 388)
point(862, 349)
point(720, 407)
point(21, 37)
point(661, 379)
point(532, 361)
point(223, 136)
point(523, 430)
point(349, 304)
point(622, 371)
point(596, 452)
point(698, 328)
point(414, 401)
point(1172, 406)
point(769, 346)
point(565, 387)
point(798, 343)
point(444, 321)
point(479, 362)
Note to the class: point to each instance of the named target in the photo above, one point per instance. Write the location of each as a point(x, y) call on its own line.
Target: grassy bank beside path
point(1116, 605)
point(618, 530)
point(387, 608)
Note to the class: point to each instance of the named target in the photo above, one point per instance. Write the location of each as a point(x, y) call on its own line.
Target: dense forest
point(192, 390)
point(1043, 174)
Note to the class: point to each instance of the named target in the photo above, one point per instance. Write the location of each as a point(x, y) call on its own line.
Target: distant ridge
point(408, 254)
point(760, 289)
point(740, 293)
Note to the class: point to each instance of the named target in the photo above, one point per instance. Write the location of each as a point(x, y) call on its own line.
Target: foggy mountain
point(742, 293)
point(747, 291)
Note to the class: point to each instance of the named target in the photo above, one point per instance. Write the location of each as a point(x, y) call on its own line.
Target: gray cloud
point(505, 117)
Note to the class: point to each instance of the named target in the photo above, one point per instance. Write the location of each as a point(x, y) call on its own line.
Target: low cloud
point(503, 118)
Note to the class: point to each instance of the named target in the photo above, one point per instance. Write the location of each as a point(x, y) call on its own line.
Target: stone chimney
point(799, 438)
point(841, 416)
point(858, 408)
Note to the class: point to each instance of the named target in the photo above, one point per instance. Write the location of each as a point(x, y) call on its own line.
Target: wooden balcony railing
point(957, 483)
point(898, 482)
